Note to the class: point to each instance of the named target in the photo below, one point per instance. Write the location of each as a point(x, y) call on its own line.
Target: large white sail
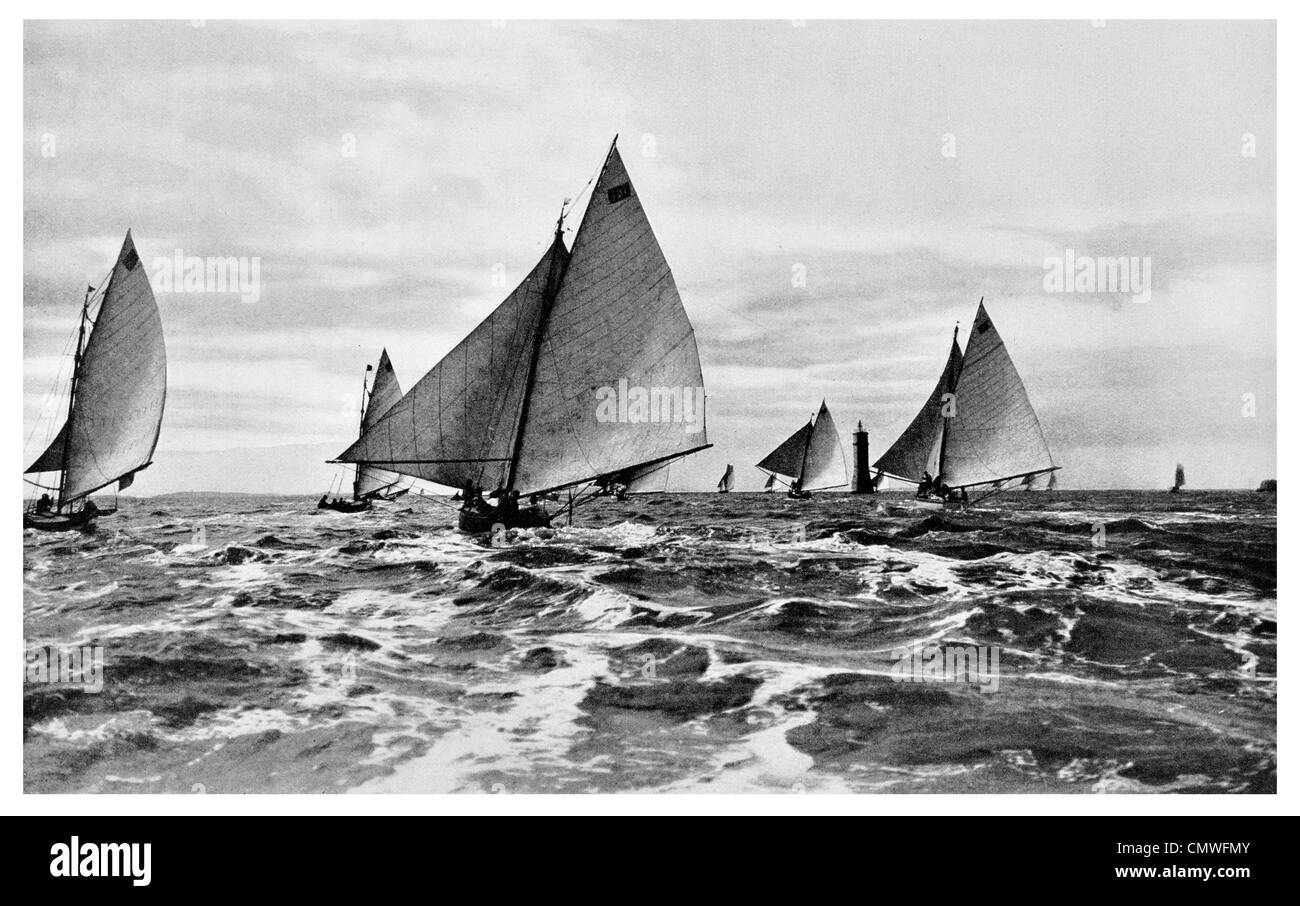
point(587, 370)
point(824, 464)
point(994, 434)
point(917, 449)
point(121, 387)
point(618, 377)
point(384, 393)
point(457, 424)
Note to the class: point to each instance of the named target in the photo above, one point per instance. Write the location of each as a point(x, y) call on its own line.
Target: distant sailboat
point(977, 427)
point(115, 400)
point(770, 485)
point(1179, 479)
point(728, 480)
point(811, 458)
point(516, 405)
point(369, 483)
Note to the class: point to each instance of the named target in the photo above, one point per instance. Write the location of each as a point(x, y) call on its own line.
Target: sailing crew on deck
point(927, 483)
point(470, 493)
point(45, 504)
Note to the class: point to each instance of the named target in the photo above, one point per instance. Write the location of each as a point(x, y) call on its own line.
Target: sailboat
point(370, 484)
point(770, 485)
point(115, 399)
point(517, 405)
point(977, 427)
point(811, 458)
point(728, 480)
point(1179, 479)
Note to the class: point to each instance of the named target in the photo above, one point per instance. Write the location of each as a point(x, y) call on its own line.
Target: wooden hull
point(62, 522)
point(344, 506)
point(485, 518)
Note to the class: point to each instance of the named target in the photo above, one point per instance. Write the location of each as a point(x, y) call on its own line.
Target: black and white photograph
point(820, 407)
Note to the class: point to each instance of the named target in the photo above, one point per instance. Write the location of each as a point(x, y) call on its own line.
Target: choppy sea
point(1044, 642)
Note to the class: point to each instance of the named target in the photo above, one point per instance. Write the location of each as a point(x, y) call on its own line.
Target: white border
point(14, 801)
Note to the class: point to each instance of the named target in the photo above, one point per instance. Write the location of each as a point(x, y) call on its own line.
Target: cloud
point(395, 179)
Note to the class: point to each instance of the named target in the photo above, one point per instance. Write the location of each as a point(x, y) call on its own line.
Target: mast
point(361, 429)
point(554, 275)
point(72, 393)
point(803, 464)
point(943, 430)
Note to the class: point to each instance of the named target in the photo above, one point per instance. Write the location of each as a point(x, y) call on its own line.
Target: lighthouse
point(862, 483)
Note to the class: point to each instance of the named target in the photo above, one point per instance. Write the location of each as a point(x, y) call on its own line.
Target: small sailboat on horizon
point(1180, 479)
point(728, 480)
point(115, 400)
point(520, 404)
point(812, 458)
point(370, 484)
point(976, 429)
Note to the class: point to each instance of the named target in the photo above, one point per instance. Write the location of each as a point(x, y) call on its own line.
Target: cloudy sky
point(907, 169)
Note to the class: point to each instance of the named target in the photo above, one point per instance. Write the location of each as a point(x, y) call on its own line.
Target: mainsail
point(518, 403)
point(984, 433)
point(812, 456)
point(728, 480)
point(384, 393)
point(119, 386)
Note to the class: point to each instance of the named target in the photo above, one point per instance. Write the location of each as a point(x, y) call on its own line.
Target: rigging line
point(573, 203)
point(52, 395)
point(574, 501)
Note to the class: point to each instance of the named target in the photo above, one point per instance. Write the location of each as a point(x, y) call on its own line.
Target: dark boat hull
point(344, 506)
point(62, 522)
point(485, 519)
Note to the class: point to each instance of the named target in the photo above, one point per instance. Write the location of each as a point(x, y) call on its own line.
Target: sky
point(832, 198)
